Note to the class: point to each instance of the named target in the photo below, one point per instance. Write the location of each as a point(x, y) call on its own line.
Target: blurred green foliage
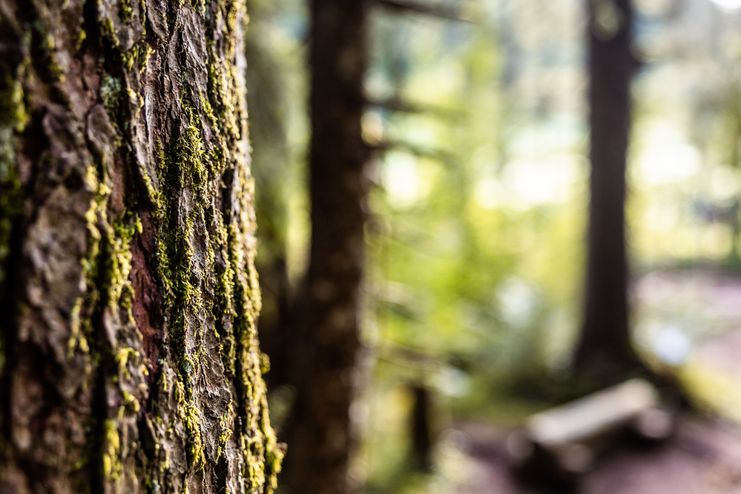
point(479, 205)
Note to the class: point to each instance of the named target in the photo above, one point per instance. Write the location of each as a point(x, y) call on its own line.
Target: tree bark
point(320, 432)
point(129, 359)
point(605, 345)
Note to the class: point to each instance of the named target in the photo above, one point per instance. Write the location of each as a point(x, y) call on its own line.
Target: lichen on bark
point(128, 356)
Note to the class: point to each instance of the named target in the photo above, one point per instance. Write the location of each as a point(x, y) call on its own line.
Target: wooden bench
point(565, 441)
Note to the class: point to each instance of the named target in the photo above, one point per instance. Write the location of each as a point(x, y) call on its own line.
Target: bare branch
point(398, 104)
point(395, 352)
point(415, 149)
point(441, 11)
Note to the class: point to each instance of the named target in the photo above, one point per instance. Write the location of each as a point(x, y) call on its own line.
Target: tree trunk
point(129, 358)
point(421, 437)
point(605, 346)
point(321, 433)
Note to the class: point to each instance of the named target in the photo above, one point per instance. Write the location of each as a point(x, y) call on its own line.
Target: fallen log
point(565, 441)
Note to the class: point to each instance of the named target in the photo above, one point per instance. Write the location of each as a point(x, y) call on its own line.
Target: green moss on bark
point(164, 241)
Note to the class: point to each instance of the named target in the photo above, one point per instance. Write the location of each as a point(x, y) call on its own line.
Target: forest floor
point(703, 457)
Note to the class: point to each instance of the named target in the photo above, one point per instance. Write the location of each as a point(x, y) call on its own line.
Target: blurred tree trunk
point(270, 159)
point(604, 346)
point(128, 354)
point(321, 432)
point(421, 427)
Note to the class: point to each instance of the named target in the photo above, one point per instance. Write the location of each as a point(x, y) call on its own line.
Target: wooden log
point(567, 440)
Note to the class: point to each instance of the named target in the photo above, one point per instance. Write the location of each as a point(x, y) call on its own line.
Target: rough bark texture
point(321, 433)
point(605, 344)
point(129, 357)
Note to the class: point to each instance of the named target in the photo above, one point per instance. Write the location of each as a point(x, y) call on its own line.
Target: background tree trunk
point(605, 346)
point(129, 358)
point(420, 427)
point(320, 431)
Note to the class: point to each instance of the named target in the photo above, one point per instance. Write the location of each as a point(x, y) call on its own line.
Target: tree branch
point(441, 11)
point(435, 154)
point(397, 104)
